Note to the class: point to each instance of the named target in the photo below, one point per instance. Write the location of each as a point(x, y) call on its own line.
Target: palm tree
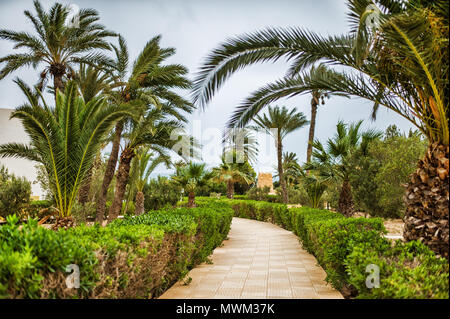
point(64, 139)
point(240, 145)
point(149, 83)
point(190, 177)
point(56, 44)
point(152, 130)
point(91, 82)
point(284, 122)
point(286, 87)
point(142, 165)
point(315, 187)
point(400, 63)
point(332, 161)
point(291, 168)
point(232, 173)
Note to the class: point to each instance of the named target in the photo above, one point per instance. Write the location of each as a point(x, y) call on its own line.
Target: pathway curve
point(259, 260)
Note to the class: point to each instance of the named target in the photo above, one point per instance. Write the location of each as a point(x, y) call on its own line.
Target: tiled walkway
point(259, 260)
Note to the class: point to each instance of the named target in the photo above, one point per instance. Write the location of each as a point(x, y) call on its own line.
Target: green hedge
point(345, 246)
point(137, 257)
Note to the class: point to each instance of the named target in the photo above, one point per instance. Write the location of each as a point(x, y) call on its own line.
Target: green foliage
point(30, 254)
point(64, 139)
point(14, 193)
point(159, 193)
point(407, 271)
point(379, 175)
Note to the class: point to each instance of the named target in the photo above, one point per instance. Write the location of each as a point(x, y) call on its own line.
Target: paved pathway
point(259, 260)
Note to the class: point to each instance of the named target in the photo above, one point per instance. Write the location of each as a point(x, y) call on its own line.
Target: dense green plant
point(191, 176)
point(379, 175)
point(160, 192)
point(121, 260)
point(333, 161)
point(65, 139)
point(57, 43)
point(406, 271)
point(14, 193)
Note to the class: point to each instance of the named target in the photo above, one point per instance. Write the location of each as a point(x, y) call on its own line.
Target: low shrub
point(406, 270)
point(136, 257)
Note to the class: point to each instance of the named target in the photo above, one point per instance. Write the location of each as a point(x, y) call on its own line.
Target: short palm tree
point(56, 44)
point(231, 173)
point(149, 83)
point(400, 62)
point(315, 187)
point(332, 161)
point(142, 165)
point(279, 122)
point(240, 144)
point(190, 177)
point(64, 139)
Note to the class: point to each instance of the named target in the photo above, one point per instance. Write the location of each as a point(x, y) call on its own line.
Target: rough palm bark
point(230, 189)
point(191, 199)
point(280, 169)
point(57, 71)
point(139, 203)
point(109, 173)
point(312, 125)
point(123, 172)
point(427, 200)
point(345, 204)
point(83, 193)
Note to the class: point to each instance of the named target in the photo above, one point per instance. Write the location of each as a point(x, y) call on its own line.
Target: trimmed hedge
point(345, 246)
point(137, 257)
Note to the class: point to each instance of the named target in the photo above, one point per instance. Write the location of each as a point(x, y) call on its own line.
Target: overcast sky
point(194, 27)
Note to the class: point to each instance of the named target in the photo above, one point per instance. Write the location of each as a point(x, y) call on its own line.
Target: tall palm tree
point(148, 83)
point(401, 63)
point(240, 144)
point(142, 165)
point(231, 173)
point(190, 177)
point(291, 168)
point(57, 45)
point(332, 161)
point(64, 139)
point(284, 122)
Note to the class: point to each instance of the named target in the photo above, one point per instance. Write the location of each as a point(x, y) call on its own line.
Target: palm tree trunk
point(345, 205)
point(230, 189)
point(139, 201)
point(280, 168)
point(312, 125)
point(83, 193)
point(191, 199)
point(426, 199)
point(123, 172)
point(109, 173)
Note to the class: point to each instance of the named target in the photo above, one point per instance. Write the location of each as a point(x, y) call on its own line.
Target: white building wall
point(11, 130)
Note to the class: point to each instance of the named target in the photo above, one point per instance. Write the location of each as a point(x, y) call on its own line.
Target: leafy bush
point(159, 193)
point(136, 257)
point(14, 193)
point(407, 270)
